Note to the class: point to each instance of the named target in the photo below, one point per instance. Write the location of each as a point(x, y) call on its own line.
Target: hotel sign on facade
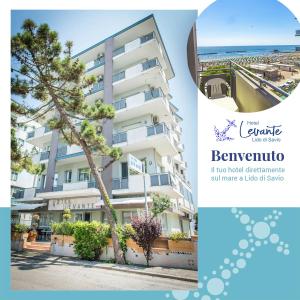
point(74, 204)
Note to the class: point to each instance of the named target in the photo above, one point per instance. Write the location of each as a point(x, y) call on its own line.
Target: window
point(14, 176)
point(144, 161)
point(78, 217)
point(127, 216)
point(124, 170)
point(84, 174)
point(68, 176)
point(164, 222)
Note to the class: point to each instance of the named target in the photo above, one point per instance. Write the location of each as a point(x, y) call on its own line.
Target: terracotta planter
point(62, 240)
point(16, 236)
point(133, 245)
point(18, 240)
point(32, 236)
point(161, 243)
point(181, 246)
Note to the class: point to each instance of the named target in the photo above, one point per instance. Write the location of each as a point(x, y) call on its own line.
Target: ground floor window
point(78, 216)
point(14, 176)
point(68, 176)
point(127, 216)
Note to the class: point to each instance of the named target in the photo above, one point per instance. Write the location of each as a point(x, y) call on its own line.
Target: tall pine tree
point(46, 72)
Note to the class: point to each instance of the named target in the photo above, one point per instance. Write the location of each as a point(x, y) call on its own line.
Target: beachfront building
point(267, 71)
point(22, 183)
point(133, 70)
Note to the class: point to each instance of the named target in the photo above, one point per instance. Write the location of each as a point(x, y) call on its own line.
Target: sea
point(227, 52)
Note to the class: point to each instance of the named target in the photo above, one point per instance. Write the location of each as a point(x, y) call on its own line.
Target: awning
point(23, 206)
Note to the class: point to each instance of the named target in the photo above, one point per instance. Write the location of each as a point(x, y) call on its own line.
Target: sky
point(246, 22)
point(85, 28)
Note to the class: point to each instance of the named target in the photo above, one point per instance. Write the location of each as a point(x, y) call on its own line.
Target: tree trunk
point(107, 206)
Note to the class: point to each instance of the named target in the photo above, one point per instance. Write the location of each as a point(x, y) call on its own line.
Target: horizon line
point(247, 45)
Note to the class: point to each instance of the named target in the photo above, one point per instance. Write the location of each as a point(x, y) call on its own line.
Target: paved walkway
point(162, 272)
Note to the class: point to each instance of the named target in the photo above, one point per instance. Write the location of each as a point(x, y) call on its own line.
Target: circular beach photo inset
point(245, 55)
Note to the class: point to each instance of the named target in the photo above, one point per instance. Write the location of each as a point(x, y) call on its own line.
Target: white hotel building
point(133, 70)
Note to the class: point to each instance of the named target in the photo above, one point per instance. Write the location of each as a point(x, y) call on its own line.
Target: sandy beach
point(287, 58)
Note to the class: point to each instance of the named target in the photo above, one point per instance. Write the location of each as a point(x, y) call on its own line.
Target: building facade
point(132, 69)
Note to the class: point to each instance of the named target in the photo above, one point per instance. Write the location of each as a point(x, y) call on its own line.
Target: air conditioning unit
point(155, 120)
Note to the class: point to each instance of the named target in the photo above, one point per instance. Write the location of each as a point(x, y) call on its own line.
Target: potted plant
point(18, 236)
point(32, 235)
point(179, 242)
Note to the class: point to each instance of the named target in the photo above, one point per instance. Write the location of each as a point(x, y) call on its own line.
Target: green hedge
point(176, 236)
point(64, 228)
point(90, 239)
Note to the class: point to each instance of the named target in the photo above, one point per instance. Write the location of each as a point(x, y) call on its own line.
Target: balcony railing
point(120, 137)
point(44, 155)
point(260, 81)
point(150, 64)
point(118, 51)
point(119, 183)
point(118, 76)
point(160, 179)
point(147, 37)
point(153, 93)
point(120, 104)
point(62, 151)
point(57, 188)
point(157, 129)
point(97, 63)
point(97, 87)
point(18, 194)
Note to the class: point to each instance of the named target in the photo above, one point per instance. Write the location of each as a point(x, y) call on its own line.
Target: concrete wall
point(161, 257)
point(250, 97)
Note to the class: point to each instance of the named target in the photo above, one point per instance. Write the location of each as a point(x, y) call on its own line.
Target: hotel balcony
point(27, 194)
point(65, 154)
point(133, 51)
point(155, 136)
point(162, 183)
point(246, 91)
point(39, 136)
point(152, 101)
point(134, 184)
point(149, 72)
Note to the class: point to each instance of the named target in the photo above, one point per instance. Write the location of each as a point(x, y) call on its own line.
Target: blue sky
point(86, 28)
point(250, 22)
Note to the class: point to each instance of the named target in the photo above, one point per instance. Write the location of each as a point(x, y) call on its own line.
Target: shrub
point(176, 236)
point(20, 228)
point(159, 203)
point(90, 238)
point(64, 228)
point(146, 230)
point(124, 233)
point(67, 214)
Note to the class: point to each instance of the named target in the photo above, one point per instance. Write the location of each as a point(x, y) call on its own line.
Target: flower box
point(134, 246)
point(186, 246)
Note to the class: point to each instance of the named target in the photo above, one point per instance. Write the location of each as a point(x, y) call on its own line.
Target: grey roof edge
point(124, 30)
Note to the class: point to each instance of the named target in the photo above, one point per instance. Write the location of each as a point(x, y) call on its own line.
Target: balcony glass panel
point(44, 155)
point(118, 76)
point(119, 51)
point(98, 62)
point(157, 129)
point(160, 179)
point(99, 86)
point(119, 183)
point(120, 104)
point(154, 180)
point(92, 184)
point(61, 151)
point(153, 93)
point(57, 188)
point(164, 179)
point(30, 134)
point(147, 37)
point(120, 137)
point(18, 194)
point(150, 64)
